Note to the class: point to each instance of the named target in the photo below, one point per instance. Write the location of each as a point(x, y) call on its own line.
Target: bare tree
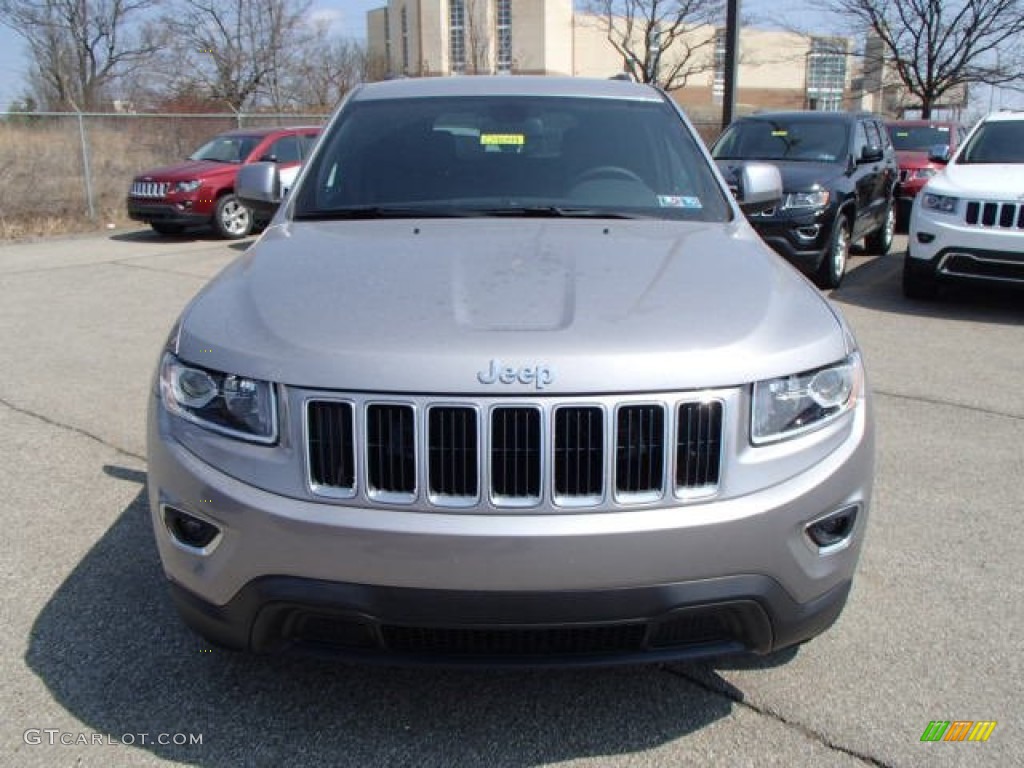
point(937, 47)
point(325, 70)
point(79, 48)
point(239, 51)
point(660, 40)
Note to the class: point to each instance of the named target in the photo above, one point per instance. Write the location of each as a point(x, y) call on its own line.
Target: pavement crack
point(70, 428)
point(727, 691)
point(949, 404)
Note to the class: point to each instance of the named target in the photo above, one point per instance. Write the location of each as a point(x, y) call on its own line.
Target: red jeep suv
point(915, 141)
point(201, 190)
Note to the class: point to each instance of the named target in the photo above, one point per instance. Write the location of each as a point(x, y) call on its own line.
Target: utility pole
point(732, 47)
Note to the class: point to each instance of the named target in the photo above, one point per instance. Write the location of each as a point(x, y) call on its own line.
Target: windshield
point(995, 142)
point(511, 156)
point(919, 138)
point(226, 149)
point(819, 141)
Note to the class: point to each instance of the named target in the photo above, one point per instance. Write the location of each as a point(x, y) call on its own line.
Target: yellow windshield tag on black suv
point(780, 134)
point(502, 139)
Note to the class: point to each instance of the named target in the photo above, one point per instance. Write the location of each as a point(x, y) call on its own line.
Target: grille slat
point(516, 453)
point(640, 449)
point(391, 449)
point(698, 445)
point(498, 455)
point(579, 453)
point(453, 451)
point(152, 189)
point(331, 447)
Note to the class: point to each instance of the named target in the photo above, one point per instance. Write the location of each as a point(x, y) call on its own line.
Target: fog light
point(925, 237)
point(189, 530)
point(834, 529)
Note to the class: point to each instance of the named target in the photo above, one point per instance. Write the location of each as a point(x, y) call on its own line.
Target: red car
point(914, 141)
point(200, 191)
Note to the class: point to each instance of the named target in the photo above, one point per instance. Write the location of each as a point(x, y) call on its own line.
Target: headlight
point(229, 404)
point(187, 186)
point(940, 203)
point(792, 405)
point(816, 198)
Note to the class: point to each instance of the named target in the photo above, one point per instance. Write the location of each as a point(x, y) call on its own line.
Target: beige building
point(777, 70)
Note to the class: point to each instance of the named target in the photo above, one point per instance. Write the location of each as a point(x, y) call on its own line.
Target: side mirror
point(939, 153)
point(258, 186)
point(871, 153)
point(758, 186)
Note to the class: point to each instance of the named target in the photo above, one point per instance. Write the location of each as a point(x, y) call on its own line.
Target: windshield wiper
point(554, 212)
point(366, 212)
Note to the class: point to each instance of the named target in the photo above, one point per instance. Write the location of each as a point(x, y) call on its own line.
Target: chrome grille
point(444, 453)
point(988, 214)
point(149, 188)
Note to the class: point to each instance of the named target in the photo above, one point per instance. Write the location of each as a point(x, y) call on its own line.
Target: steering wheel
point(607, 171)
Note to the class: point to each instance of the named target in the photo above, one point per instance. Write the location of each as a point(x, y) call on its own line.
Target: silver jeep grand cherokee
point(510, 379)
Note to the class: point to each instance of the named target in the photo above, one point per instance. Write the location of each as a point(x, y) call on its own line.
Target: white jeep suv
point(968, 222)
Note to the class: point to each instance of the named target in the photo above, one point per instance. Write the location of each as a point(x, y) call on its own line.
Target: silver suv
point(510, 378)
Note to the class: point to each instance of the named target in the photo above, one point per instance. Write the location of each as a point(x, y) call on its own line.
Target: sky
point(348, 18)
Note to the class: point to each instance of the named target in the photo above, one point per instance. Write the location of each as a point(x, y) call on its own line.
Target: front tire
point(231, 219)
point(880, 241)
point(919, 279)
point(833, 262)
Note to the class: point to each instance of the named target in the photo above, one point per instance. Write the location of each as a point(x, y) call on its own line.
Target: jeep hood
point(981, 181)
point(424, 305)
point(796, 176)
point(188, 170)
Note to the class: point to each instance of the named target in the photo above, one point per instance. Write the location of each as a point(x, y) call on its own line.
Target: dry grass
point(42, 181)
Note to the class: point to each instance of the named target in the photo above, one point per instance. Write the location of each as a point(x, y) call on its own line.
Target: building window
point(457, 35)
point(718, 84)
point(503, 30)
point(405, 40)
point(826, 74)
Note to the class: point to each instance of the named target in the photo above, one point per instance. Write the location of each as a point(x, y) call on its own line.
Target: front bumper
point(801, 240)
point(166, 213)
point(678, 581)
point(952, 250)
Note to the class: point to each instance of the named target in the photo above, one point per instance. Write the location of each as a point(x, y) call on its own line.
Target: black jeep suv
point(839, 173)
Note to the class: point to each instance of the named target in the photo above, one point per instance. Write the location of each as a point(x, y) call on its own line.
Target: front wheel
point(880, 241)
point(231, 219)
point(833, 262)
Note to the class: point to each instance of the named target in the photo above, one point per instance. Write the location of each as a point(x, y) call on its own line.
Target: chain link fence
point(62, 169)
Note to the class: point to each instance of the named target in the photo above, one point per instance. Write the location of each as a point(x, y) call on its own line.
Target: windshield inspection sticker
point(780, 134)
point(675, 201)
point(502, 139)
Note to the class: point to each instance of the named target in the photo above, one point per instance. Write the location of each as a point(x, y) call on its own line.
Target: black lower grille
point(515, 453)
point(539, 641)
point(640, 449)
point(391, 448)
point(331, 446)
point(698, 444)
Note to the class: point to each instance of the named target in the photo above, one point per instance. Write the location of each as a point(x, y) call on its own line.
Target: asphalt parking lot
point(93, 652)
